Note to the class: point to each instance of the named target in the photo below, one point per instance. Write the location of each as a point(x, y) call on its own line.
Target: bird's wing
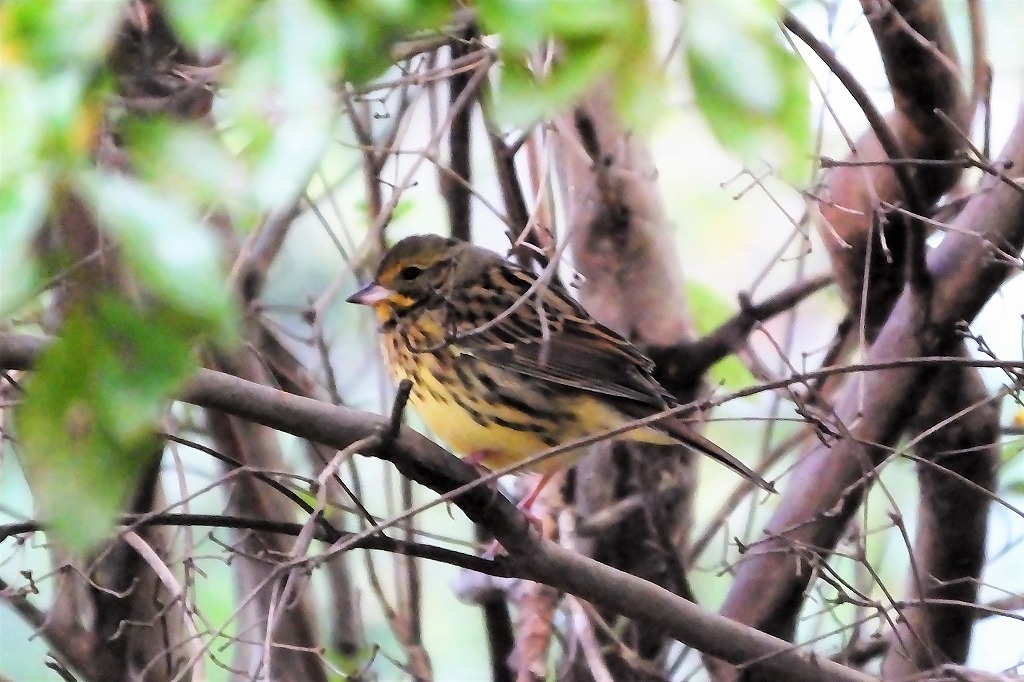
point(551, 337)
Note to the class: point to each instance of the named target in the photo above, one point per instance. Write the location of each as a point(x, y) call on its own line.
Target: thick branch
point(529, 556)
point(622, 244)
point(949, 548)
point(679, 366)
point(828, 483)
point(456, 192)
point(867, 253)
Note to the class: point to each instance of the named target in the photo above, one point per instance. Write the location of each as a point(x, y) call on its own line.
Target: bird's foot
point(477, 457)
point(494, 548)
point(531, 497)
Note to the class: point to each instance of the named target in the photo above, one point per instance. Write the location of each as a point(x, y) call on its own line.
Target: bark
point(622, 246)
point(529, 556)
point(949, 547)
point(828, 484)
point(869, 243)
point(455, 186)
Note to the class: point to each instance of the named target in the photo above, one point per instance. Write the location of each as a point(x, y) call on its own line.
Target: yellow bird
point(498, 387)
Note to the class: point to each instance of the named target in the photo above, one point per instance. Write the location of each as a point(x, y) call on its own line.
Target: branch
point(530, 556)
point(75, 645)
point(681, 366)
point(632, 282)
point(958, 423)
point(917, 50)
point(456, 194)
point(887, 140)
point(324, 534)
point(828, 483)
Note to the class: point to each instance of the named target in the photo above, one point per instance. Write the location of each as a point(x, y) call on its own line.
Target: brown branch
point(256, 449)
point(497, 623)
point(888, 142)
point(981, 71)
point(931, 110)
point(74, 644)
point(858, 654)
point(921, 64)
point(827, 484)
point(529, 556)
point(327, 535)
point(949, 548)
point(347, 628)
point(681, 366)
point(517, 215)
point(456, 194)
point(622, 245)
point(858, 243)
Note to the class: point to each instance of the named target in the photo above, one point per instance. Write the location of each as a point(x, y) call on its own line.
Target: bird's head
point(413, 272)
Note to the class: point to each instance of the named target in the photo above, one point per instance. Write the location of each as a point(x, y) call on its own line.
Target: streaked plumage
point(543, 375)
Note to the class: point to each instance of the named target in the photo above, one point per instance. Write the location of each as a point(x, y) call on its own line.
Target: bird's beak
point(372, 294)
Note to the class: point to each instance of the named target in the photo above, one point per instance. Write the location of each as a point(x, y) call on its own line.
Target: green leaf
point(190, 163)
point(1012, 450)
point(524, 98)
point(522, 24)
point(57, 34)
point(171, 251)
point(751, 88)
point(370, 28)
point(21, 121)
point(207, 25)
point(601, 43)
point(87, 423)
point(350, 665)
point(709, 311)
point(23, 202)
point(279, 101)
point(49, 113)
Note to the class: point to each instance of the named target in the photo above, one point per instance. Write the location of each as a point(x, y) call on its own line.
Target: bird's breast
point(473, 412)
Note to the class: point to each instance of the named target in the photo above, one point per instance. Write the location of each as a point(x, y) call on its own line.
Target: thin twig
point(917, 271)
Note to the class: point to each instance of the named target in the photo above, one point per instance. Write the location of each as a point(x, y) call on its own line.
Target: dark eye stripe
point(433, 301)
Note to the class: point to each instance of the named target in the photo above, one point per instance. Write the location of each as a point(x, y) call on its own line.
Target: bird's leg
point(531, 497)
point(477, 457)
point(494, 547)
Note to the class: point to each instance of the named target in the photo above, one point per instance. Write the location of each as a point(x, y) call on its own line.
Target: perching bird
point(499, 391)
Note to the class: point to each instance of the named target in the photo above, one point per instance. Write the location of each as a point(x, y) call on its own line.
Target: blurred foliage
point(603, 41)
point(276, 64)
point(752, 89)
point(87, 421)
point(1012, 456)
point(51, 90)
point(710, 310)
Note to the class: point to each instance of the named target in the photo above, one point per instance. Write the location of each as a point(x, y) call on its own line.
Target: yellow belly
point(497, 446)
point(476, 428)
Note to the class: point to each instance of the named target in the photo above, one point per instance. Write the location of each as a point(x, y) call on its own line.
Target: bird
point(503, 367)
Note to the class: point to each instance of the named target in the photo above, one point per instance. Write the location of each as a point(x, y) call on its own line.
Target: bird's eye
point(410, 272)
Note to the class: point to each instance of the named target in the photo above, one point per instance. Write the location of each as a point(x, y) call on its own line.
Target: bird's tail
point(684, 434)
